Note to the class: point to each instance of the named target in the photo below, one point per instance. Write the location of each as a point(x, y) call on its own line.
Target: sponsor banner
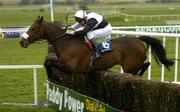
point(1, 33)
point(66, 100)
point(159, 29)
point(12, 34)
point(13, 31)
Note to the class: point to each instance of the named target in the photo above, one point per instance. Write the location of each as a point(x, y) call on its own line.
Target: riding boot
point(95, 48)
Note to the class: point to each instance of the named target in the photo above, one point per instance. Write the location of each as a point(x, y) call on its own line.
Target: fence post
point(162, 70)
point(149, 69)
point(176, 61)
point(35, 86)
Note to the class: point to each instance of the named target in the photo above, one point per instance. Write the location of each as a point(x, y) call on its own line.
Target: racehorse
point(75, 56)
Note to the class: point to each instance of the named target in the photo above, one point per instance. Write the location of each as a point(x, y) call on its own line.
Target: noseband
point(48, 37)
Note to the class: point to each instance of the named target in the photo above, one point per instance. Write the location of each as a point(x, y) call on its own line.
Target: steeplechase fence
point(121, 91)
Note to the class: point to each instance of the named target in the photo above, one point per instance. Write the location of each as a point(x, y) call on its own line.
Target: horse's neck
point(63, 42)
point(52, 31)
point(68, 46)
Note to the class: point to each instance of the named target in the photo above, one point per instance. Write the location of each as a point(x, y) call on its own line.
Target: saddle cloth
point(105, 47)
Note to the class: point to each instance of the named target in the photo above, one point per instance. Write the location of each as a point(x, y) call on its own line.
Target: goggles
point(78, 19)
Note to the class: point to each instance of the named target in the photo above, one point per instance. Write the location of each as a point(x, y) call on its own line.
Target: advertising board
point(63, 99)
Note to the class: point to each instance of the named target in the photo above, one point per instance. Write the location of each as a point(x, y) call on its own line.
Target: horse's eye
point(32, 29)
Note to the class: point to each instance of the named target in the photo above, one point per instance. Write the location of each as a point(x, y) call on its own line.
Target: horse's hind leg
point(133, 65)
point(131, 69)
point(143, 68)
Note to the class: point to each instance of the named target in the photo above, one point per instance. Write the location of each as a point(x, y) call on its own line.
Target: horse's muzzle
point(24, 43)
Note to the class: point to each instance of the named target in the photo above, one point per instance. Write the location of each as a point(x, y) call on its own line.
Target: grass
point(24, 16)
point(17, 85)
point(11, 52)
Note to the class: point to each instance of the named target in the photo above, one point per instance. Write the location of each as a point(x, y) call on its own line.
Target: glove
point(69, 32)
point(69, 28)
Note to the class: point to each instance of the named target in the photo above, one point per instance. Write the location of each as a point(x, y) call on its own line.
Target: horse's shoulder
point(75, 41)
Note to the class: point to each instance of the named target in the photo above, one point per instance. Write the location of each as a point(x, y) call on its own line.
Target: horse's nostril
point(22, 44)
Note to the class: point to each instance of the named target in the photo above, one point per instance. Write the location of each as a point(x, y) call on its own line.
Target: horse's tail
point(158, 50)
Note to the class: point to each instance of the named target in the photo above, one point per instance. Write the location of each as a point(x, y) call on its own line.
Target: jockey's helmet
point(80, 15)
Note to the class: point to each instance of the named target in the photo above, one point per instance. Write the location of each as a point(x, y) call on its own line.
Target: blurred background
point(118, 12)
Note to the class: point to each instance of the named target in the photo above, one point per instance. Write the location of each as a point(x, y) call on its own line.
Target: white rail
point(134, 27)
point(14, 29)
point(34, 67)
point(175, 28)
point(20, 66)
point(144, 33)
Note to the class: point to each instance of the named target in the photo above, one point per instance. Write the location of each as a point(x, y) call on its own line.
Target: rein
point(44, 41)
point(51, 39)
point(58, 36)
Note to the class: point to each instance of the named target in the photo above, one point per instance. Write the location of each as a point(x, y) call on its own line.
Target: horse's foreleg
point(131, 68)
point(63, 67)
point(48, 66)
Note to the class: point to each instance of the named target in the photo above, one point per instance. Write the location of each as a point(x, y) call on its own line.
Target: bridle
point(56, 37)
point(45, 41)
point(42, 40)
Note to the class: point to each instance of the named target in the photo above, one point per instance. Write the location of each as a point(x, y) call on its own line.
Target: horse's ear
point(41, 19)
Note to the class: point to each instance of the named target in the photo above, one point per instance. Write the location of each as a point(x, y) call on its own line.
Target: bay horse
point(74, 56)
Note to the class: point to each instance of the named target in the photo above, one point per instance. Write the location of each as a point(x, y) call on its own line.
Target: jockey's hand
point(69, 32)
point(69, 28)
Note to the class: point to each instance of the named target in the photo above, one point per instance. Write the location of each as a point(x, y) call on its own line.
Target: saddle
point(103, 47)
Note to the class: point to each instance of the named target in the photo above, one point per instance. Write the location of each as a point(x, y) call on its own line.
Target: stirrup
point(97, 55)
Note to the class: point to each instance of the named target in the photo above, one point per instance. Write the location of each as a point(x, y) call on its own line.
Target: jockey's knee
point(90, 35)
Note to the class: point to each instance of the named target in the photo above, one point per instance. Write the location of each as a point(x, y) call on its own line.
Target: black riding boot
point(95, 48)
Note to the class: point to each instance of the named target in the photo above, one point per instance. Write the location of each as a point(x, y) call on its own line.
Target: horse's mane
point(58, 24)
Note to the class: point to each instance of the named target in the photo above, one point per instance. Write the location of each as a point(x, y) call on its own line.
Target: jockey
point(90, 26)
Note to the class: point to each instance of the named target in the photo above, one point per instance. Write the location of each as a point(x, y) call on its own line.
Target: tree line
point(38, 2)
